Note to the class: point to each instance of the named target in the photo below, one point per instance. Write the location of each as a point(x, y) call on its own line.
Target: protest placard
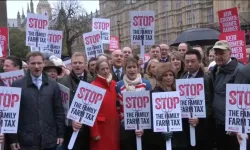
point(137, 114)
point(142, 25)
point(65, 94)
point(146, 57)
point(229, 20)
point(102, 25)
point(238, 108)
point(9, 77)
point(9, 109)
point(86, 103)
point(36, 30)
point(114, 43)
point(166, 112)
point(93, 44)
point(192, 97)
point(238, 44)
point(4, 39)
point(54, 45)
point(68, 64)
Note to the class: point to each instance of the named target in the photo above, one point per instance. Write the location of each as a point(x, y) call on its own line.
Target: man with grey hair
point(164, 53)
point(225, 71)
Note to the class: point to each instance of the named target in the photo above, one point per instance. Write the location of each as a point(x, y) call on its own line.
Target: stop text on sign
point(92, 39)
point(65, 97)
point(240, 98)
point(145, 21)
point(8, 100)
point(37, 23)
point(55, 38)
point(167, 102)
point(137, 102)
point(190, 89)
point(89, 96)
point(101, 25)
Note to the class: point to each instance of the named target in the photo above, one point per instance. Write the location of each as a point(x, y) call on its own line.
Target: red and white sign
point(238, 43)
point(3, 42)
point(229, 20)
point(65, 94)
point(137, 114)
point(9, 107)
point(114, 43)
point(142, 25)
point(86, 103)
point(192, 97)
point(93, 44)
point(102, 25)
point(166, 111)
point(9, 77)
point(238, 108)
point(54, 46)
point(37, 30)
point(146, 57)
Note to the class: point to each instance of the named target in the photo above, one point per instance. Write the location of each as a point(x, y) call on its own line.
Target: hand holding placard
point(192, 100)
point(85, 106)
point(238, 110)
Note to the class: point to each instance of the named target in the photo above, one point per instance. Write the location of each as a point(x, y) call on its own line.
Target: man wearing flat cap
point(224, 72)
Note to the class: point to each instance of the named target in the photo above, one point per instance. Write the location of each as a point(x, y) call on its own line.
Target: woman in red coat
point(106, 131)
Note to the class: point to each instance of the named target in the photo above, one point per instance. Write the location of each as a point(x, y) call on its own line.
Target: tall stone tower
point(43, 6)
point(19, 21)
point(31, 6)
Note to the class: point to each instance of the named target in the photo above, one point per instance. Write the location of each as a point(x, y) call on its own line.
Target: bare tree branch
point(69, 16)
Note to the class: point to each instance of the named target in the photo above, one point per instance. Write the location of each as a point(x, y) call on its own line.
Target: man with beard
point(164, 53)
point(71, 81)
point(41, 116)
point(117, 62)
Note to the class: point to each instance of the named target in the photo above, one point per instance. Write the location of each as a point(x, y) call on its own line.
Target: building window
point(166, 3)
point(190, 17)
point(178, 4)
point(210, 15)
point(188, 2)
point(179, 20)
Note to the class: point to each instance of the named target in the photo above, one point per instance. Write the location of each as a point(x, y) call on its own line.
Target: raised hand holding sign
point(85, 106)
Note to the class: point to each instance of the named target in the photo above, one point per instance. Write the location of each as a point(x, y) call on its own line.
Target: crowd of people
point(42, 118)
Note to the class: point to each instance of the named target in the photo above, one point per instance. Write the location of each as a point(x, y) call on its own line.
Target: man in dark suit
point(117, 62)
point(203, 125)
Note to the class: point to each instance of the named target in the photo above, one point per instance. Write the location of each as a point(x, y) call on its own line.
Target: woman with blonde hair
point(177, 60)
point(106, 130)
point(151, 73)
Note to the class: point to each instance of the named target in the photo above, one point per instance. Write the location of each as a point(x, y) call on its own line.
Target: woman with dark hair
point(105, 132)
point(132, 81)
point(177, 60)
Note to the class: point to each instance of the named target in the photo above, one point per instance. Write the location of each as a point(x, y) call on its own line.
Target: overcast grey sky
point(14, 6)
